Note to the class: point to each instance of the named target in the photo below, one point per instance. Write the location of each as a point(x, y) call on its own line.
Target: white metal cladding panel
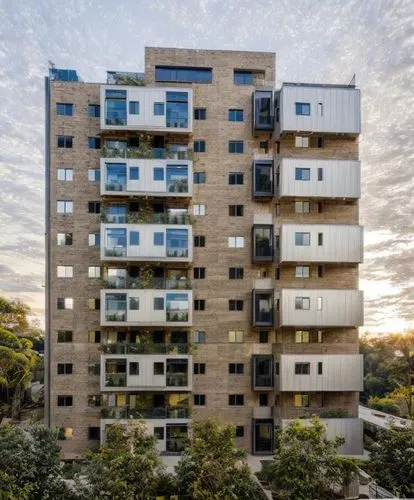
point(341, 243)
point(339, 308)
point(146, 315)
point(146, 380)
point(340, 372)
point(341, 178)
point(146, 184)
point(341, 109)
point(146, 120)
point(146, 249)
point(348, 428)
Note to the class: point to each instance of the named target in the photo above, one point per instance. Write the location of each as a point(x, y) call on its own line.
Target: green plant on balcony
point(129, 80)
point(146, 276)
point(104, 217)
point(146, 211)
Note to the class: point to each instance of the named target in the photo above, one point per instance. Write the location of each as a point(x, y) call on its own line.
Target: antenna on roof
point(352, 82)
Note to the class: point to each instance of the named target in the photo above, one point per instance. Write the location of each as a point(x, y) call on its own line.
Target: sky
point(316, 41)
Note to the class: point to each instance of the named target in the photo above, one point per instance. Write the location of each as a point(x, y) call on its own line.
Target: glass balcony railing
point(177, 379)
point(145, 348)
point(115, 186)
point(137, 218)
point(178, 186)
point(115, 315)
point(177, 316)
point(146, 153)
point(162, 412)
point(115, 252)
point(115, 379)
point(151, 283)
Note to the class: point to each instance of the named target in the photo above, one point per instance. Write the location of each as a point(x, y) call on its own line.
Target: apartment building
point(202, 251)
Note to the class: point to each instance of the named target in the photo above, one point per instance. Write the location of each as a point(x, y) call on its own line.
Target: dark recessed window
point(158, 303)
point(94, 433)
point(94, 142)
point(199, 177)
point(158, 368)
point(236, 273)
point(263, 399)
point(94, 207)
point(64, 336)
point(236, 210)
point(235, 115)
point(64, 109)
point(236, 147)
point(263, 337)
point(64, 368)
point(183, 74)
point(235, 305)
point(236, 399)
point(236, 368)
point(199, 273)
point(65, 401)
point(199, 146)
point(134, 107)
point(94, 110)
point(302, 368)
point(159, 433)
point(243, 77)
point(239, 431)
point(200, 113)
point(199, 368)
point(134, 368)
point(236, 178)
point(199, 305)
point(199, 241)
point(65, 141)
point(199, 399)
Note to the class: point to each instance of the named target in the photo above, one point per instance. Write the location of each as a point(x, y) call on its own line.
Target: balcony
point(179, 218)
point(263, 436)
point(263, 110)
point(164, 412)
point(146, 177)
point(262, 372)
point(319, 373)
point(147, 283)
point(322, 178)
point(146, 372)
point(145, 348)
point(324, 243)
point(146, 109)
point(147, 242)
point(263, 307)
point(147, 152)
point(312, 108)
point(320, 308)
point(262, 242)
point(146, 308)
point(263, 180)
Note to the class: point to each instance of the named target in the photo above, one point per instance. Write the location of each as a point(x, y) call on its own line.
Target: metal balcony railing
point(137, 218)
point(148, 283)
point(144, 348)
point(163, 412)
point(146, 153)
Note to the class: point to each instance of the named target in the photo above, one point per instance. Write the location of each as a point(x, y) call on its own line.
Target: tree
point(307, 465)
point(212, 468)
point(392, 461)
point(13, 315)
point(126, 467)
point(29, 464)
point(17, 360)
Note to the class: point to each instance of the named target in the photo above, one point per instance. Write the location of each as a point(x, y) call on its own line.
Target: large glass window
point(263, 371)
point(115, 306)
point(177, 178)
point(183, 74)
point(302, 239)
point(117, 213)
point(263, 179)
point(263, 308)
point(302, 174)
point(116, 176)
point(263, 243)
point(115, 242)
point(177, 242)
point(177, 109)
point(302, 108)
point(65, 109)
point(115, 107)
point(243, 77)
point(177, 307)
point(263, 110)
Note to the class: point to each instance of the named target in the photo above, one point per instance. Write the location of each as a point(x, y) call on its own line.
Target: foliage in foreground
point(212, 468)
point(307, 464)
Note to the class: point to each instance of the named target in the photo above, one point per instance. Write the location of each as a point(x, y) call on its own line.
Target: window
point(320, 271)
point(64, 207)
point(200, 113)
point(158, 303)
point(236, 336)
point(199, 337)
point(236, 178)
point(64, 336)
point(64, 109)
point(319, 303)
point(65, 400)
point(134, 107)
point(158, 368)
point(94, 433)
point(94, 175)
point(301, 142)
point(320, 207)
point(199, 146)
point(302, 303)
point(65, 271)
point(199, 241)
point(158, 174)
point(94, 207)
point(236, 273)
point(242, 77)
point(134, 173)
point(301, 400)
point(263, 337)
point(94, 239)
point(199, 399)
point(277, 273)
point(235, 115)
point(65, 141)
point(199, 305)
point(302, 368)
point(64, 239)
point(94, 142)
point(159, 433)
point(239, 431)
point(302, 174)
point(302, 207)
point(199, 209)
point(199, 273)
point(302, 108)
point(263, 399)
point(183, 74)
point(235, 305)
point(65, 174)
point(320, 369)
point(94, 337)
point(236, 147)
point(236, 242)
point(94, 400)
point(236, 399)
point(158, 239)
point(94, 369)
point(64, 303)
point(302, 337)
point(320, 239)
point(133, 304)
point(64, 368)
point(94, 110)
point(277, 209)
point(199, 177)
point(277, 368)
point(236, 368)
point(317, 142)
point(159, 109)
point(320, 174)
point(94, 304)
point(302, 239)
point(302, 271)
point(236, 210)
point(199, 368)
